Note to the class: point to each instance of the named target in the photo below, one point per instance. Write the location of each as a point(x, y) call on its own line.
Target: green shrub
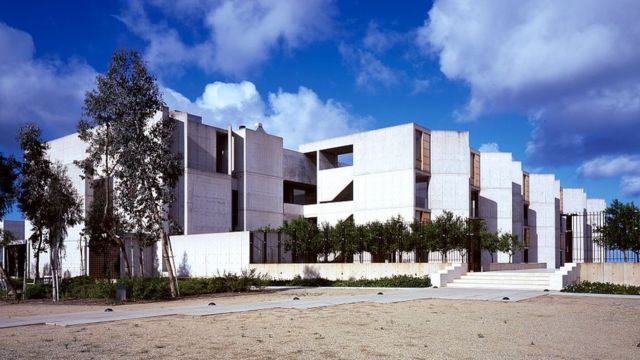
point(394, 281)
point(602, 288)
point(85, 287)
point(38, 291)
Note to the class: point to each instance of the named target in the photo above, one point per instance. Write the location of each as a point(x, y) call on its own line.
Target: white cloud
point(607, 166)
point(630, 186)
point(489, 147)
point(297, 117)
point(49, 92)
point(232, 37)
point(572, 66)
point(379, 41)
point(370, 71)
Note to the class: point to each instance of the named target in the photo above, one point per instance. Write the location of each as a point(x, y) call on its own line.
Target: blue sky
point(555, 83)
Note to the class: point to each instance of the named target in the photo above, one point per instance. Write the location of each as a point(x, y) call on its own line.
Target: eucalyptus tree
point(62, 207)
point(36, 172)
point(131, 146)
point(9, 171)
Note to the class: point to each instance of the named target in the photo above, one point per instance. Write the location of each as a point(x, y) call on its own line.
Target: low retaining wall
point(342, 271)
point(616, 273)
point(510, 266)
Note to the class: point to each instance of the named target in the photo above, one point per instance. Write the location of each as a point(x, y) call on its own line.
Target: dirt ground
point(547, 327)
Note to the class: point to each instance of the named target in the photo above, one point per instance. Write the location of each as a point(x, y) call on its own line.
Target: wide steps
point(504, 280)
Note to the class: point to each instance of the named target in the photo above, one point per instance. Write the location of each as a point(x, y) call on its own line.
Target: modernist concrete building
point(239, 180)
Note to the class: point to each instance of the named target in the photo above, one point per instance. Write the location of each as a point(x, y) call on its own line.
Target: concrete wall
point(259, 169)
point(517, 212)
point(341, 271)
point(207, 255)
point(574, 201)
point(298, 167)
point(616, 273)
point(496, 196)
point(543, 219)
point(450, 171)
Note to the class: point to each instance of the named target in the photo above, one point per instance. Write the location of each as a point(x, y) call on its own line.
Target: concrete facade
point(239, 180)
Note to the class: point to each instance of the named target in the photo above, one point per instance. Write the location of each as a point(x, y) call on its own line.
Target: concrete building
point(243, 179)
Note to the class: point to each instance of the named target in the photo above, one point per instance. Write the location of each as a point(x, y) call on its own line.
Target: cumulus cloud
point(571, 66)
point(237, 36)
point(48, 92)
point(489, 147)
point(298, 117)
point(607, 166)
point(630, 186)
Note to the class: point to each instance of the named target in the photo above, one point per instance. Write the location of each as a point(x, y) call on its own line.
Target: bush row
point(394, 281)
point(602, 288)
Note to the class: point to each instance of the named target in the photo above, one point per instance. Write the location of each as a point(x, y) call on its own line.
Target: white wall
point(450, 171)
point(517, 198)
point(543, 219)
point(496, 196)
point(574, 201)
point(342, 271)
point(207, 255)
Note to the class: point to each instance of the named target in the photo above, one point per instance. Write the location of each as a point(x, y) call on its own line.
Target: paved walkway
point(303, 303)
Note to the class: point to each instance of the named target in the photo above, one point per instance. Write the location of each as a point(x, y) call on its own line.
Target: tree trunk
point(164, 241)
point(123, 251)
point(10, 289)
point(141, 259)
point(53, 259)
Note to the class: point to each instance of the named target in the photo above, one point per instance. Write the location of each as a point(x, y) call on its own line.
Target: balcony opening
point(222, 156)
point(345, 195)
point(300, 194)
point(336, 157)
point(422, 192)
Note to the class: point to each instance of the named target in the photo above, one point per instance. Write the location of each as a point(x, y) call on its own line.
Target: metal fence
point(581, 237)
point(269, 248)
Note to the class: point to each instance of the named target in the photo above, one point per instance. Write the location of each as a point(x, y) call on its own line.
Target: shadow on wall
point(184, 269)
point(533, 236)
point(309, 272)
point(488, 211)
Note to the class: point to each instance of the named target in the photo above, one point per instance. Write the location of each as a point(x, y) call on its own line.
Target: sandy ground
point(546, 327)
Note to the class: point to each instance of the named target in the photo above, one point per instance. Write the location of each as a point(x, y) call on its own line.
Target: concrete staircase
point(541, 279)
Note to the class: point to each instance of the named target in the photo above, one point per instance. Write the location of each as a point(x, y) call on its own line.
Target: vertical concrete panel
point(450, 171)
point(543, 211)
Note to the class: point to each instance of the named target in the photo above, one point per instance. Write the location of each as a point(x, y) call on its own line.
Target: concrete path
point(303, 303)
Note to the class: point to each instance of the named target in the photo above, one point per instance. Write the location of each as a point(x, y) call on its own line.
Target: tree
point(489, 241)
point(621, 229)
point(8, 192)
point(449, 232)
point(396, 235)
point(325, 240)
point(36, 172)
point(420, 240)
point(510, 244)
point(375, 241)
point(128, 144)
point(302, 238)
point(345, 238)
point(62, 207)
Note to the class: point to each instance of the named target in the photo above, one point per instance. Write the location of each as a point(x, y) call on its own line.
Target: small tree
point(489, 241)
point(449, 232)
point(302, 238)
point(8, 192)
point(397, 236)
point(36, 172)
point(63, 208)
point(325, 240)
point(621, 229)
point(345, 238)
point(420, 240)
point(375, 242)
point(510, 244)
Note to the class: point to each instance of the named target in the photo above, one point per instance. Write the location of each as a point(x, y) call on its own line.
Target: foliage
point(345, 238)
point(375, 240)
point(448, 232)
point(9, 171)
point(621, 229)
point(489, 241)
point(510, 244)
point(302, 238)
point(602, 288)
point(394, 281)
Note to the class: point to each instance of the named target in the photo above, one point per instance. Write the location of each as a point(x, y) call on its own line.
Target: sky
point(556, 83)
